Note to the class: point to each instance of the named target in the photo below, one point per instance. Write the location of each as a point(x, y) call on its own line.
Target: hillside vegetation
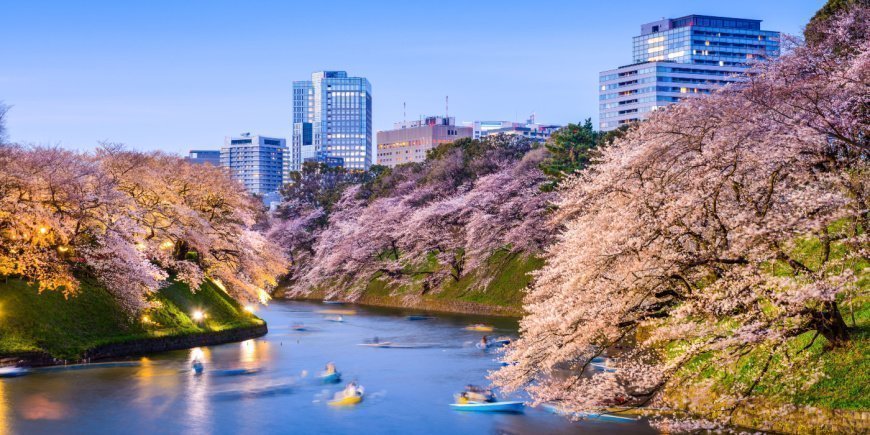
point(65, 328)
point(464, 226)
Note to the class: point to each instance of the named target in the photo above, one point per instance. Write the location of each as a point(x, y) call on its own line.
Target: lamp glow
point(198, 315)
point(249, 308)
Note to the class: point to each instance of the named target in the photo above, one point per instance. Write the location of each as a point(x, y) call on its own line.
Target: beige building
point(409, 141)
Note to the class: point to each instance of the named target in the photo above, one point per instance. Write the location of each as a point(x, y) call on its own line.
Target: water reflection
point(153, 382)
point(4, 410)
point(196, 394)
point(407, 389)
point(39, 407)
point(248, 351)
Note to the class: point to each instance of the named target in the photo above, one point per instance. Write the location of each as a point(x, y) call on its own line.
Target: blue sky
point(177, 75)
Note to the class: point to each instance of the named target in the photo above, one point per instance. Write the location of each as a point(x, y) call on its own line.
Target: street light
point(198, 315)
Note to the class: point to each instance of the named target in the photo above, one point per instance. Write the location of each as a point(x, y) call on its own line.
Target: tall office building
point(679, 58)
point(198, 157)
point(529, 129)
point(409, 141)
point(332, 118)
point(256, 161)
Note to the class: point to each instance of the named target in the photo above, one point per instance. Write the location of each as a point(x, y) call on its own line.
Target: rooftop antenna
point(404, 112)
point(447, 106)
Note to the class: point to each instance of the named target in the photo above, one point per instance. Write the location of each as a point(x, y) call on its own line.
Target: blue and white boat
point(13, 372)
point(604, 416)
point(513, 407)
point(330, 378)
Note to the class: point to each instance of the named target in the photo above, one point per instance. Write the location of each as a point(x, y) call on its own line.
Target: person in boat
point(330, 368)
point(351, 389)
point(197, 366)
point(474, 393)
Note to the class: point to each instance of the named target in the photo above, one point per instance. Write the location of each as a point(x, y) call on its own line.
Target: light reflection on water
point(4, 410)
point(407, 389)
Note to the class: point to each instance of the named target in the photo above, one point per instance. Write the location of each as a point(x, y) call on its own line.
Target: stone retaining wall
point(139, 347)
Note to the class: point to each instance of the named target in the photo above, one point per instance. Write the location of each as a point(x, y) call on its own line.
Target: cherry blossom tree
point(690, 238)
point(466, 201)
point(127, 219)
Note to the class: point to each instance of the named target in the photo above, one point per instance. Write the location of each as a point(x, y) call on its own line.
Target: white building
point(256, 161)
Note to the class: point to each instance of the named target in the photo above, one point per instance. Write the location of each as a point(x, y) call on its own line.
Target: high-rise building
point(332, 117)
point(679, 58)
point(410, 140)
point(256, 161)
point(529, 129)
point(212, 157)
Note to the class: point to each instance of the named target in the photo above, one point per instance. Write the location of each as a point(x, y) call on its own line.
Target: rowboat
point(330, 378)
point(602, 368)
point(87, 366)
point(514, 407)
point(378, 344)
point(589, 415)
point(348, 400)
point(235, 372)
point(479, 327)
point(391, 345)
point(492, 344)
point(341, 312)
point(418, 317)
point(13, 372)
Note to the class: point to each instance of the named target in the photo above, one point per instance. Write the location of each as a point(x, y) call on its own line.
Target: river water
point(407, 389)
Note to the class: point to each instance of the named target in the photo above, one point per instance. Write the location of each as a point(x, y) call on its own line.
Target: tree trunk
point(829, 322)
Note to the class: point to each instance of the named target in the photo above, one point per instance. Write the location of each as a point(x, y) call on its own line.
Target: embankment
point(46, 328)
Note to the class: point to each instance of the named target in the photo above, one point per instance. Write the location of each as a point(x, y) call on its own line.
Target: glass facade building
point(198, 157)
point(679, 58)
point(256, 161)
point(332, 118)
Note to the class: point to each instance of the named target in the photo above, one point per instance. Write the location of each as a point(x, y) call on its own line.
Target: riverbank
point(506, 276)
point(138, 347)
point(46, 328)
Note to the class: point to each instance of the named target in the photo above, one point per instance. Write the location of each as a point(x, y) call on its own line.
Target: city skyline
point(141, 91)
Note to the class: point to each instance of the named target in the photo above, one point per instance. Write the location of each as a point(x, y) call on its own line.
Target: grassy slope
point(845, 382)
point(508, 274)
point(30, 321)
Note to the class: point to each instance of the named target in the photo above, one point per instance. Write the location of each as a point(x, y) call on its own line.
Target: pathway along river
point(407, 390)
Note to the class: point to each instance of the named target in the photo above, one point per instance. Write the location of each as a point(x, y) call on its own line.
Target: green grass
point(507, 275)
point(845, 370)
point(65, 328)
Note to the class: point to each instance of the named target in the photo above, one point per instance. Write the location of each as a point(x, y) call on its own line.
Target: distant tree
point(609, 137)
point(571, 149)
point(819, 25)
point(319, 185)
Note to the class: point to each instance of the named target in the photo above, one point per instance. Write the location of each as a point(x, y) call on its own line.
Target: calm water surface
point(407, 390)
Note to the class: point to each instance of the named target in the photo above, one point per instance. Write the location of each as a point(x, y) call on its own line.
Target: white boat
point(13, 372)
